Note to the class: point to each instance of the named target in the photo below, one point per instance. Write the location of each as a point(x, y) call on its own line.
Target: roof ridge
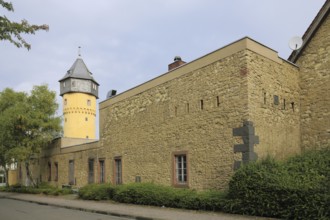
point(310, 31)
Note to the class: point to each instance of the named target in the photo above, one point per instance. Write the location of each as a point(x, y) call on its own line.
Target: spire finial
point(79, 51)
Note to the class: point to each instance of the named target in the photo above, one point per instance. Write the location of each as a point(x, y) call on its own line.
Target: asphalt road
point(19, 210)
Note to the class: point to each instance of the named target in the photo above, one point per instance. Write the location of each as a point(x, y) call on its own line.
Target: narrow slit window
point(284, 104)
point(187, 107)
point(292, 106)
point(276, 100)
point(176, 111)
point(218, 101)
point(202, 104)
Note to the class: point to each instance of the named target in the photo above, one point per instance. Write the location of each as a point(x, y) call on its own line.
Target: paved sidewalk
point(124, 210)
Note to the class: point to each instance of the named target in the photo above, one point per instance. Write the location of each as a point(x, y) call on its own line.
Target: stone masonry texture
point(314, 64)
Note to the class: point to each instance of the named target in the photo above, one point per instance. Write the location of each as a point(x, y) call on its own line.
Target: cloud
point(125, 43)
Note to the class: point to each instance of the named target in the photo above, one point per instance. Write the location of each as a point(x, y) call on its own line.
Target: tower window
point(89, 102)
point(86, 119)
point(201, 104)
point(64, 84)
point(218, 101)
point(65, 101)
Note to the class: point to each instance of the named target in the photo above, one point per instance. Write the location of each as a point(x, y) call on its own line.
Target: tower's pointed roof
point(79, 70)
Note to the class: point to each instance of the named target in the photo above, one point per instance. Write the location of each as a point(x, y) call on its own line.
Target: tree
point(28, 122)
point(12, 31)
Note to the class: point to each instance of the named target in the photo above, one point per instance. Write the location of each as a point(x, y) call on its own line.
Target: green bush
point(144, 194)
point(43, 188)
point(96, 192)
point(295, 189)
point(155, 195)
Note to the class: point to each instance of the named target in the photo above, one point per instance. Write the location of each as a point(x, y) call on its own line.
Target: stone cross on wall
point(247, 132)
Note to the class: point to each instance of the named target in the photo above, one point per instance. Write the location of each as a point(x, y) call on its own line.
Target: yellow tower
point(79, 91)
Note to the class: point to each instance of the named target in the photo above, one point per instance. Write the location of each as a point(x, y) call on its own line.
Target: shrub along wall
point(156, 195)
point(41, 189)
point(295, 189)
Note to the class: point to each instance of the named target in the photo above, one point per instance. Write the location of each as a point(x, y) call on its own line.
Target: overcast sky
point(126, 42)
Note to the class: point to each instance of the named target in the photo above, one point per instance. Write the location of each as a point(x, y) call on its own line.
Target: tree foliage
point(27, 123)
point(12, 31)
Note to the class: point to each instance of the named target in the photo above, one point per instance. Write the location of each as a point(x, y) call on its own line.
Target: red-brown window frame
point(174, 179)
point(115, 170)
point(99, 171)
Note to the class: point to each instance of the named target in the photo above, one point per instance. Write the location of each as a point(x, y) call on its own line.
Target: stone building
point(194, 125)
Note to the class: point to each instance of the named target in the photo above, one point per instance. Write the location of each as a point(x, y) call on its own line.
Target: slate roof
point(79, 70)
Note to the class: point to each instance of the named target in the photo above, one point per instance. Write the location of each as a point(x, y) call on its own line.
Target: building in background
point(197, 123)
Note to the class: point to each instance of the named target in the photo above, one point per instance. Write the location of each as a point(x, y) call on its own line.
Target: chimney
point(177, 62)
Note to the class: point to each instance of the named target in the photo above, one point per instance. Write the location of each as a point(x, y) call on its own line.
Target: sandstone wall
point(145, 130)
point(314, 63)
point(80, 154)
point(274, 105)
point(192, 109)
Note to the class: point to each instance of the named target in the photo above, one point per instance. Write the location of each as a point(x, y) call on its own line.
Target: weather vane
point(79, 52)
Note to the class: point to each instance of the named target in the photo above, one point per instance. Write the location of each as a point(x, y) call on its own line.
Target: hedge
point(155, 195)
point(41, 189)
point(295, 189)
